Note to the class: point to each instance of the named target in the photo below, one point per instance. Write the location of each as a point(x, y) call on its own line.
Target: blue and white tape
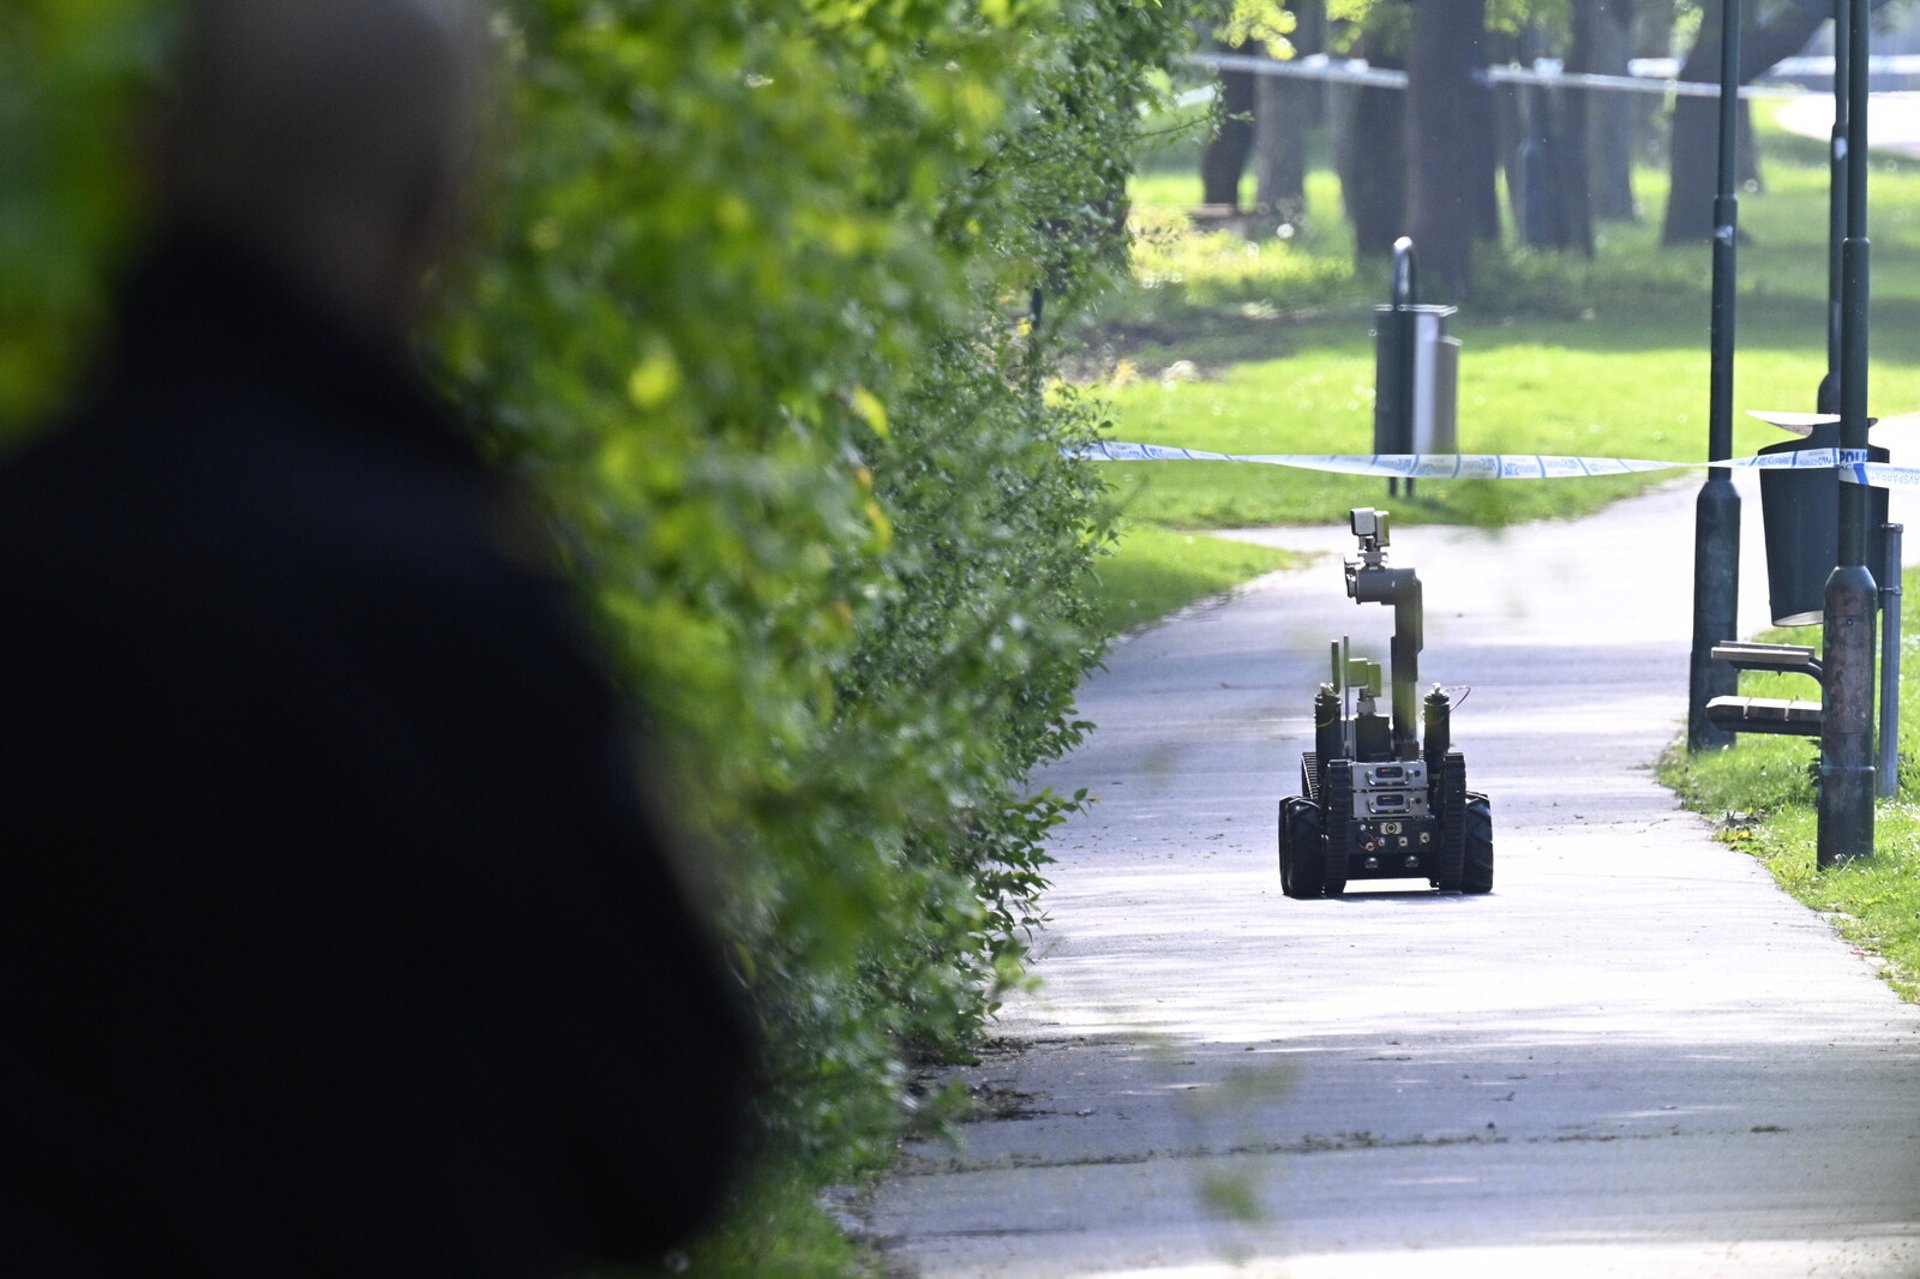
point(1851, 463)
point(1883, 475)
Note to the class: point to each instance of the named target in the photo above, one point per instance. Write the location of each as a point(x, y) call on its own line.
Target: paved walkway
point(1893, 120)
point(1635, 1057)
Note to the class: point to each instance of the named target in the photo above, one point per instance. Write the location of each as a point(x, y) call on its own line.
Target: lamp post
point(1846, 735)
point(1716, 533)
point(1829, 398)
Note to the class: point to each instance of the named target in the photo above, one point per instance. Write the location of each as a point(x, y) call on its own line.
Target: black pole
point(1406, 295)
point(1829, 397)
point(1887, 783)
point(1846, 733)
point(1716, 530)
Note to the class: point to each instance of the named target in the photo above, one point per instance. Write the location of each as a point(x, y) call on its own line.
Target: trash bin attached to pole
point(1415, 371)
point(1800, 512)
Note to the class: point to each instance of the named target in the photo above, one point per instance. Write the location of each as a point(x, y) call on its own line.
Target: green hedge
point(758, 315)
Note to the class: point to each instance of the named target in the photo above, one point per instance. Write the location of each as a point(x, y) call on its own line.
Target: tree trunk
point(1225, 156)
point(1746, 155)
point(1284, 113)
point(1480, 147)
point(1540, 210)
point(1508, 128)
point(1610, 115)
point(1310, 36)
point(1280, 147)
point(1373, 170)
point(1693, 162)
point(1652, 38)
point(1448, 172)
point(1572, 156)
point(1537, 173)
point(1373, 159)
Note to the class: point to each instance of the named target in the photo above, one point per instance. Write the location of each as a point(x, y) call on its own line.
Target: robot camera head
point(1368, 524)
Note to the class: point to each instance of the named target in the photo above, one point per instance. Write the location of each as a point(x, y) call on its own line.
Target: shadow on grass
point(1230, 333)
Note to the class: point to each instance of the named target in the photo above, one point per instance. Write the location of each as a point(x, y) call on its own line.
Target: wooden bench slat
point(1766, 715)
point(1796, 658)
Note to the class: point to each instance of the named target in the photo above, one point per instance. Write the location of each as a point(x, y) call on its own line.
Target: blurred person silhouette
point(338, 939)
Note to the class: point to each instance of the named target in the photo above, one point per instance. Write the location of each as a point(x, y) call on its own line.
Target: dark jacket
point(335, 938)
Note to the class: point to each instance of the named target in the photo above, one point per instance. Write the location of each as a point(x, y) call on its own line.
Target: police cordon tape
point(1852, 464)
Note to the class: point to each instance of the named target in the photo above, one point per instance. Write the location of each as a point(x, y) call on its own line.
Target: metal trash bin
point(1416, 371)
point(1800, 512)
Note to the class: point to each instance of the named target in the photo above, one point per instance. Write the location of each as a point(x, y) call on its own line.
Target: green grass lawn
point(1161, 569)
point(1230, 346)
point(773, 1227)
point(1761, 791)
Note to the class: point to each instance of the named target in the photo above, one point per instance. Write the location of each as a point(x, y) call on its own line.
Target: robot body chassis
point(1377, 801)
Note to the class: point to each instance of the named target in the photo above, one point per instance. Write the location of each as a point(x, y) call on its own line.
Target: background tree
point(1371, 155)
point(1450, 140)
point(1286, 111)
point(1768, 33)
point(1244, 28)
point(1573, 155)
point(1602, 43)
point(1223, 161)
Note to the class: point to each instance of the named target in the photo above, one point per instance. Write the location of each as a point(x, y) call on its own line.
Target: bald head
point(329, 136)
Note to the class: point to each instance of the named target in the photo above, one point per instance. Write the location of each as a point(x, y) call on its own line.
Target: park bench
point(1767, 714)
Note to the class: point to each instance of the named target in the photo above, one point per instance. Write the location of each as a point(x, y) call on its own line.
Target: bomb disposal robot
point(1379, 803)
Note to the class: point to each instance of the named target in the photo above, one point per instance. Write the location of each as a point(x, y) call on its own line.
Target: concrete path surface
point(1635, 1057)
point(1893, 120)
